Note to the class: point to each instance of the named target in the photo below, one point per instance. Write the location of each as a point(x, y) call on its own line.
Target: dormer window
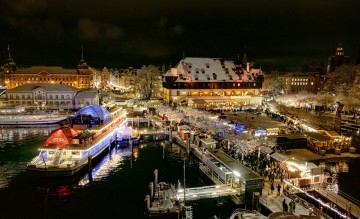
point(227, 71)
point(190, 66)
point(196, 78)
point(197, 71)
point(214, 76)
point(230, 77)
point(208, 77)
point(203, 71)
point(207, 65)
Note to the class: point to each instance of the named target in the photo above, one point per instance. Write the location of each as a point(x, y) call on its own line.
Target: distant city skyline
point(278, 35)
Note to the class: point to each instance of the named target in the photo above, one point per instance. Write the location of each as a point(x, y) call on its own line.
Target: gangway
point(203, 192)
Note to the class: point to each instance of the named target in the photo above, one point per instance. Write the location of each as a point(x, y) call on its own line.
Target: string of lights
point(326, 205)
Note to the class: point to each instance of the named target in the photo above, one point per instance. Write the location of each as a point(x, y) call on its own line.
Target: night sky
point(277, 34)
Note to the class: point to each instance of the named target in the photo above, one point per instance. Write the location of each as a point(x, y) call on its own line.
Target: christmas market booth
point(300, 173)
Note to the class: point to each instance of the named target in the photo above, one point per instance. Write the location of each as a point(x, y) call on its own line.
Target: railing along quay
point(343, 200)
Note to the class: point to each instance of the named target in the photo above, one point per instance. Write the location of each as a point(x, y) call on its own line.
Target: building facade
point(211, 83)
point(86, 98)
point(42, 95)
point(105, 77)
point(338, 59)
point(296, 82)
point(14, 76)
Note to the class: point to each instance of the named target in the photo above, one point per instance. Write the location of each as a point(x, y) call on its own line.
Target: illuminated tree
point(145, 80)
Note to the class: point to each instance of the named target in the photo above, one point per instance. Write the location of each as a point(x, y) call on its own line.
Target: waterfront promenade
point(271, 201)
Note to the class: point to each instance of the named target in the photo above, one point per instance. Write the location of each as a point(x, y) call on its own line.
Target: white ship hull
point(59, 166)
point(28, 121)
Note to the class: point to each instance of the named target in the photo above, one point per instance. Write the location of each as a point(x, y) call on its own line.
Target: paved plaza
point(256, 121)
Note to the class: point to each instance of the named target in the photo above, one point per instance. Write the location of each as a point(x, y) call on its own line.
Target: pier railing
point(343, 200)
point(298, 200)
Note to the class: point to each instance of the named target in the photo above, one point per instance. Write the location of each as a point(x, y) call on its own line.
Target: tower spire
point(82, 53)
point(82, 64)
point(9, 51)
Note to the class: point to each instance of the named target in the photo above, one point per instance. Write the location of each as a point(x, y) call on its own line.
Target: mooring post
point(151, 188)
point(170, 134)
point(147, 199)
point(156, 177)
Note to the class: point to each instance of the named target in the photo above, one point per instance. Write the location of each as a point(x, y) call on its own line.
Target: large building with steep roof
point(212, 82)
point(79, 77)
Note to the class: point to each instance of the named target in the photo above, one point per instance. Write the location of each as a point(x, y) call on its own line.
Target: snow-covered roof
point(211, 70)
point(86, 94)
point(44, 86)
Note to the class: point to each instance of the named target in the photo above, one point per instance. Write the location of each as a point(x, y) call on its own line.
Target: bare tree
point(145, 81)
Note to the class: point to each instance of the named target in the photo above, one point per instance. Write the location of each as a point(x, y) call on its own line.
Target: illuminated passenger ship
point(69, 149)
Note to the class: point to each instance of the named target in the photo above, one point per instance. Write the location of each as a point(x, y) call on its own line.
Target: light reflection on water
point(108, 165)
point(17, 147)
point(8, 171)
point(335, 166)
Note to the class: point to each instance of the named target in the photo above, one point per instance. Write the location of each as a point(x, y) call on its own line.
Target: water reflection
point(108, 165)
point(335, 166)
point(25, 141)
point(15, 136)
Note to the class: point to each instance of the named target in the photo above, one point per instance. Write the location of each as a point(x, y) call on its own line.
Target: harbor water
point(117, 184)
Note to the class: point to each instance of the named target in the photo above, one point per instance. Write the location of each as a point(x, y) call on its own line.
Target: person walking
point(285, 206)
point(272, 187)
point(278, 189)
point(291, 206)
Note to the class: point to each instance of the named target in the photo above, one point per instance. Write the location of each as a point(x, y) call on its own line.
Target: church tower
point(10, 65)
point(338, 59)
point(83, 67)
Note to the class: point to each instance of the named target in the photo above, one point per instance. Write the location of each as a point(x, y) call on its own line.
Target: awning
point(278, 157)
point(332, 134)
point(266, 150)
point(208, 141)
point(317, 136)
point(199, 101)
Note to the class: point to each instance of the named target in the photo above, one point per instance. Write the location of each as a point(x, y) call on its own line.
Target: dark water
point(117, 189)
point(119, 183)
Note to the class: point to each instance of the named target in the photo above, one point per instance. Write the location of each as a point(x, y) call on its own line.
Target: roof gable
point(43, 73)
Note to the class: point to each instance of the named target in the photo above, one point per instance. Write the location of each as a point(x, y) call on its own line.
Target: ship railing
point(35, 160)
